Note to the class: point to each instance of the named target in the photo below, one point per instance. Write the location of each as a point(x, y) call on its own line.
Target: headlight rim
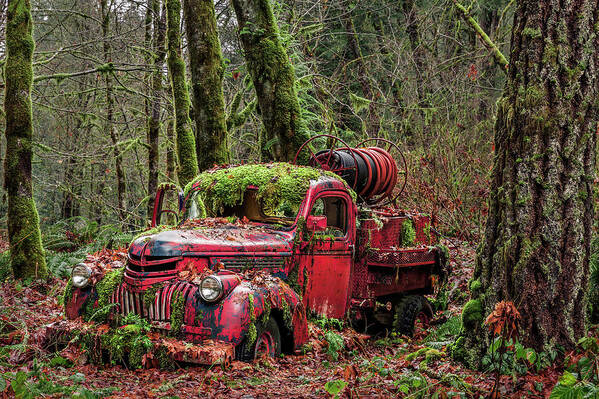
point(88, 271)
point(220, 285)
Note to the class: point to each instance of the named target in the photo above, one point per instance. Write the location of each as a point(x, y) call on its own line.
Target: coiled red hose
point(375, 168)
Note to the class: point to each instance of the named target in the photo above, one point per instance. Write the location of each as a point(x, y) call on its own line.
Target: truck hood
point(222, 239)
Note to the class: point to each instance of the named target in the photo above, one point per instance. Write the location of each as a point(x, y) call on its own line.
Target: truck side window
point(335, 209)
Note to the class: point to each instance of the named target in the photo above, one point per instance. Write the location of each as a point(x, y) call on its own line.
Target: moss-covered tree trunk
point(159, 53)
point(537, 240)
point(26, 252)
point(170, 152)
point(273, 77)
point(109, 123)
point(207, 70)
point(188, 162)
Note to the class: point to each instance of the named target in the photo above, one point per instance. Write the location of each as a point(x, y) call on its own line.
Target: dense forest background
point(412, 72)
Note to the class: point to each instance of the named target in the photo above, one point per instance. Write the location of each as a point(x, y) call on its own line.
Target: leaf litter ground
point(359, 366)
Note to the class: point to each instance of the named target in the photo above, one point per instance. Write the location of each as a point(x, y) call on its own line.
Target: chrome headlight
point(80, 275)
point(211, 289)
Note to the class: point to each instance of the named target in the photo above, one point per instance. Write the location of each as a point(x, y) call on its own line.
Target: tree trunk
point(170, 152)
point(154, 119)
point(273, 77)
point(207, 69)
point(188, 162)
point(373, 126)
point(108, 127)
point(537, 240)
point(26, 252)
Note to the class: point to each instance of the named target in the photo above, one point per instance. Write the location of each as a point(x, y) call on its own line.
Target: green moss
point(273, 77)
point(252, 332)
point(199, 316)
point(177, 313)
point(475, 286)
point(458, 350)
point(129, 343)
point(207, 68)
point(287, 318)
point(472, 314)
point(104, 289)
point(149, 295)
point(68, 292)
point(293, 279)
point(266, 311)
point(165, 362)
point(27, 256)
point(186, 146)
point(281, 186)
point(527, 250)
point(408, 234)
point(427, 232)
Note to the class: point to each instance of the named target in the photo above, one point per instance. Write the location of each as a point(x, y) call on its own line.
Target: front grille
point(162, 267)
point(159, 310)
point(240, 262)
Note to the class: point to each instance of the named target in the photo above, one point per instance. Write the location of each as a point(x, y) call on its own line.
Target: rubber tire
point(407, 310)
point(247, 353)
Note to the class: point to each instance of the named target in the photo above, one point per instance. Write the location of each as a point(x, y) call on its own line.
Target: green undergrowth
point(335, 344)
point(447, 331)
point(581, 377)
point(408, 234)
point(68, 242)
point(328, 323)
point(36, 384)
point(126, 343)
point(129, 343)
point(281, 186)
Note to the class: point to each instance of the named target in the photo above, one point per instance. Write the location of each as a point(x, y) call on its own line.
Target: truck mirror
point(181, 200)
point(160, 201)
point(316, 223)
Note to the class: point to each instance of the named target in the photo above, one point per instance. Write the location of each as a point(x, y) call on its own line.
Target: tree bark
point(373, 126)
point(537, 241)
point(109, 126)
point(188, 163)
point(26, 252)
point(207, 70)
point(273, 77)
point(170, 152)
point(154, 118)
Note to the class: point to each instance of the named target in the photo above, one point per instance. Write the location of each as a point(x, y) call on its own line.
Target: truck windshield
point(251, 207)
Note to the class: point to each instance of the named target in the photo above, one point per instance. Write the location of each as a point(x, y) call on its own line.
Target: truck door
point(327, 255)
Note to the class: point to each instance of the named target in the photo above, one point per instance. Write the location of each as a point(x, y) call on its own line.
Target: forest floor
point(377, 366)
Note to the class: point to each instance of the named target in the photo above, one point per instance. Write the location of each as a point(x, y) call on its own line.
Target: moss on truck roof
point(278, 184)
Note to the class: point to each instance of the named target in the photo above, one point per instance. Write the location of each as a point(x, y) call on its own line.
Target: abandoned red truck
point(259, 247)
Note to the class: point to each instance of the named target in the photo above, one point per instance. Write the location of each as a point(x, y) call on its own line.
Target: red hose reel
point(370, 171)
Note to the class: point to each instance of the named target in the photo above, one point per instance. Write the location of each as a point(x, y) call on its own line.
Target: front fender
point(75, 299)
point(230, 319)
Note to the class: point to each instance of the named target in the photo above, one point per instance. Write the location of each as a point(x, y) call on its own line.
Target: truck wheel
point(409, 310)
point(268, 341)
